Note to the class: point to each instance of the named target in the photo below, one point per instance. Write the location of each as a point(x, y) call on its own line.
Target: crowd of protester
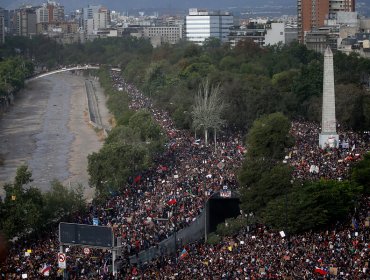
point(339, 253)
point(311, 162)
point(171, 195)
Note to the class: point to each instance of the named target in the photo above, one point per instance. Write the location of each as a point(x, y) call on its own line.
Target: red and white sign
point(62, 260)
point(86, 251)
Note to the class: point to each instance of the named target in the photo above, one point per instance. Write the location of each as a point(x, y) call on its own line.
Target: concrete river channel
point(48, 128)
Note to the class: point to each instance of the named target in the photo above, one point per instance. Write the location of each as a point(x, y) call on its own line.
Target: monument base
point(328, 140)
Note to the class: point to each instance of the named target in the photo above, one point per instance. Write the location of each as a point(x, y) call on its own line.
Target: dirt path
point(48, 129)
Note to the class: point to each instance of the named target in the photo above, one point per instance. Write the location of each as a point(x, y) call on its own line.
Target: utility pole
point(175, 235)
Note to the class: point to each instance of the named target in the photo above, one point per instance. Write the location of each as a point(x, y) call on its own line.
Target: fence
point(168, 246)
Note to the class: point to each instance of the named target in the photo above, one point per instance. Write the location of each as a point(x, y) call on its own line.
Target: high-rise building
point(101, 19)
point(25, 22)
point(50, 12)
point(2, 30)
point(312, 13)
point(201, 24)
point(42, 15)
point(95, 18)
point(5, 14)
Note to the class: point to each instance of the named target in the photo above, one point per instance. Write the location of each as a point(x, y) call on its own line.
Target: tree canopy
point(26, 210)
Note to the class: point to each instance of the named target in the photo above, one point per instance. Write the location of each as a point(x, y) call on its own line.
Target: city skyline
point(160, 4)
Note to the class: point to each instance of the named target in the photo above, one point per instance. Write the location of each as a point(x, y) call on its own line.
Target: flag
point(320, 271)
point(105, 267)
point(134, 271)
point(46, 270)
point(230, 248)
point(184, 254)
point(172, 201)
point(137, 179)
point(182, 208)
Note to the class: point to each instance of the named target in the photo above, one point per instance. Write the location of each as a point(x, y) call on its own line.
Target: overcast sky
point(123, 5)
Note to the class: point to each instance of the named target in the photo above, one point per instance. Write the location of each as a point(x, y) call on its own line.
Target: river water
point(48, 129)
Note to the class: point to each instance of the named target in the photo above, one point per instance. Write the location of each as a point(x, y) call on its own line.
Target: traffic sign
point(62, 263)
point(95, 221)
point(86, 235)
point(86, 251)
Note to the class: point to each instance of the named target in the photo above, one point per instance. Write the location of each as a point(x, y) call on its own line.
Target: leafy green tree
point(284, 80)
point(110, 168)
point(61, 201)
point(150, 132)
point(22, 206)
point(351, 105)
point(269, 137)
point(360, 173)
point(123, 134)
point(307, 85)
point(264, 186)
point(311, 206)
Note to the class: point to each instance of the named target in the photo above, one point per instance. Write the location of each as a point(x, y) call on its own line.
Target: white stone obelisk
point(328, 136)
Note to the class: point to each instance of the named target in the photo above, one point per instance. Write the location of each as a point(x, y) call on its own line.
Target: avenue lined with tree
point(261, 106)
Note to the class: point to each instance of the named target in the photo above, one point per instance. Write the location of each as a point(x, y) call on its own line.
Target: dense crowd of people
point(310, 162)
point(171, 195)
point(339, 253)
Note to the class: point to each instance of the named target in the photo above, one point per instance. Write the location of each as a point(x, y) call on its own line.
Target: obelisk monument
point(328, 136)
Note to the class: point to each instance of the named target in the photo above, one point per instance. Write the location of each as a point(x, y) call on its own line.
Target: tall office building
point(50, 12)
point(42, 15)
point(2, 30)
point(313, 13)
point(25, 22)
point(6, 15)
point(95, 18)
point(201, 24)
point(56, 12)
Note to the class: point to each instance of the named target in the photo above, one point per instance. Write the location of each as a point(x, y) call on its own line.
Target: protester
point(169, 196)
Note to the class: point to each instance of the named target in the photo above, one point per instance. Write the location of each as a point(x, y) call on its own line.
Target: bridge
point(66, 69)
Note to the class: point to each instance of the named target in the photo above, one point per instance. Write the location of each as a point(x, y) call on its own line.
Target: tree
point(22, 206)
point(351, 103)
point(311, 206)
point(361, 173)
point(207, 109)
point(61, 201)
point(151, 134)
point(110, 168)
point(264, 185)
point(263, 177)
point(269, 137)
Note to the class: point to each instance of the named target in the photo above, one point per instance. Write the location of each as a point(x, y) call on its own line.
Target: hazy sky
point(122, 5)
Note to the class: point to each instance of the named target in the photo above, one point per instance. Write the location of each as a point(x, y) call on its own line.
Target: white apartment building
point(101, 19)
point(164, 34)
point(50, 12)
point(42, 15)
point(201, 24)
point(275, 34)
point(95, 18)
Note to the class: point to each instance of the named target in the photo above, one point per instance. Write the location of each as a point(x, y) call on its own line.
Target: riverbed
point(48, 129)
